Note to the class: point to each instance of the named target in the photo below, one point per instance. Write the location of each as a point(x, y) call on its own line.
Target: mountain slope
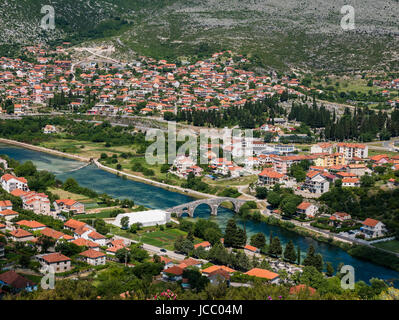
point(277, 33)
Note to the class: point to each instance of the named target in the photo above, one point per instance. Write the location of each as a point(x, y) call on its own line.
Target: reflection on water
point(153, 197)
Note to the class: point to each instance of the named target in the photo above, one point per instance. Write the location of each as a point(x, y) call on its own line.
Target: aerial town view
point(216, 150)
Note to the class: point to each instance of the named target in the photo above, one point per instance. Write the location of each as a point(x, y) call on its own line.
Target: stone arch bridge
point(213, 203)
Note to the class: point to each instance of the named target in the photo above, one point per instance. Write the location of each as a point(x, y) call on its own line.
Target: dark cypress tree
point(299, 255)
point(289, 252)
point(330, 269)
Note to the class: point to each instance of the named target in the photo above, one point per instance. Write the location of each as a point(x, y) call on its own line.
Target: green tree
point(330, 269)
point(258, 240)
point(196, 280)
point(125, 223)
point(67, 248)
point(289, 252)
point(123, 255)
point(261, 192)
point(273, 198)
point(275, 247)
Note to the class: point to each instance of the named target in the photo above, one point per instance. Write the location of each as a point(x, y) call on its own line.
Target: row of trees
point(249, 116)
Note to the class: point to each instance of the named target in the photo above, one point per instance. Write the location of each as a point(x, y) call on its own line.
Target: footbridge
point(213, 203)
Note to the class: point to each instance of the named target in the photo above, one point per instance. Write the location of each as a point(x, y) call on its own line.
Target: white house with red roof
point(307, 209)
point(32, 225)
point(270, 177)
point(8, 214)
point(93, 257)
point(206, 245)
point(6, 204)
point(86, 243)
point(373, 228)
point(10, 183)
point(351, 182)
point(73, 224)
point(49, 129)
point(57, 261)
point(67, 205)
point(21, 235)
point(36, 202)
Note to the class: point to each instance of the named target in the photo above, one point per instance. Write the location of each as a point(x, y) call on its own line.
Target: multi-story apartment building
point(351, 150)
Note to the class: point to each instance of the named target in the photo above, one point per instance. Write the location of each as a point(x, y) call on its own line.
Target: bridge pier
point(190, 212)
point(237, 206)
point(214, 209)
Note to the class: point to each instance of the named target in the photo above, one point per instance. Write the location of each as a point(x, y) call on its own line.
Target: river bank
point(154, 197)
point(187, 192)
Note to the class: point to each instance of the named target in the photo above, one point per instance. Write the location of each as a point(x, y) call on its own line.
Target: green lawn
point(158, 238)
point(164, 239)
point(102, 214)
point(392, 245)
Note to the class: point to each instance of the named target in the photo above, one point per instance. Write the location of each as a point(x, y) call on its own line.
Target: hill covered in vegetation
point(278, 34)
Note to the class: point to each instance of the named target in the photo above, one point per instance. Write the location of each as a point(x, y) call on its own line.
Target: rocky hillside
point(304, 34)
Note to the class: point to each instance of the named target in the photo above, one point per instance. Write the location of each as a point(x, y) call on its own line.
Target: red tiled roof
point(271, 174)
point(93, 254)
point(251, 248)
point(302, 287)
point(6, 203)
point(262, 273)
point(55, 257)
point(204, 244)
point(174, 270)
point(304, 205)
point(20, 233)
point(74, 224)
point(8, 176)
point(370, 222)
point(83, 242)
point(68, 202)
point(8, 212)
point(30, 224)
point(95, 235)
point(213, 268)
point(13, 279)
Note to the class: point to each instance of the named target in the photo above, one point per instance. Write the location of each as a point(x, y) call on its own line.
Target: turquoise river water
point(158, 198)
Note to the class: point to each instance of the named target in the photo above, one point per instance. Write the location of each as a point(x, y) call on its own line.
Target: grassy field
point(164, 239)
point(392, 245)
point(69, 195)
point(153, 236)
point(89, 150)
point(375, 152)
point(241, 181)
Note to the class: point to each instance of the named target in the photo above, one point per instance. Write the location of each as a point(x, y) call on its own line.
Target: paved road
point(155, 250)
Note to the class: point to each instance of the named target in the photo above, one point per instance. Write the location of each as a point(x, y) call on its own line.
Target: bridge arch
point(213, 203)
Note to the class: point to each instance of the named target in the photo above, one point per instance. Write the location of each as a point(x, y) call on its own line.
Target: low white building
point(145, 218)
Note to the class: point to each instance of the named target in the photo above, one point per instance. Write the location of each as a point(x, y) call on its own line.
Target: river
point(158, 198)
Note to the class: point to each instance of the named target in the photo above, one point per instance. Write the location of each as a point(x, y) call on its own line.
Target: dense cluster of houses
point(345, 161)
point(144, 85)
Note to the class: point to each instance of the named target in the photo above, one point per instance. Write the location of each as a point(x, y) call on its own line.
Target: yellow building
point(329, 160)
